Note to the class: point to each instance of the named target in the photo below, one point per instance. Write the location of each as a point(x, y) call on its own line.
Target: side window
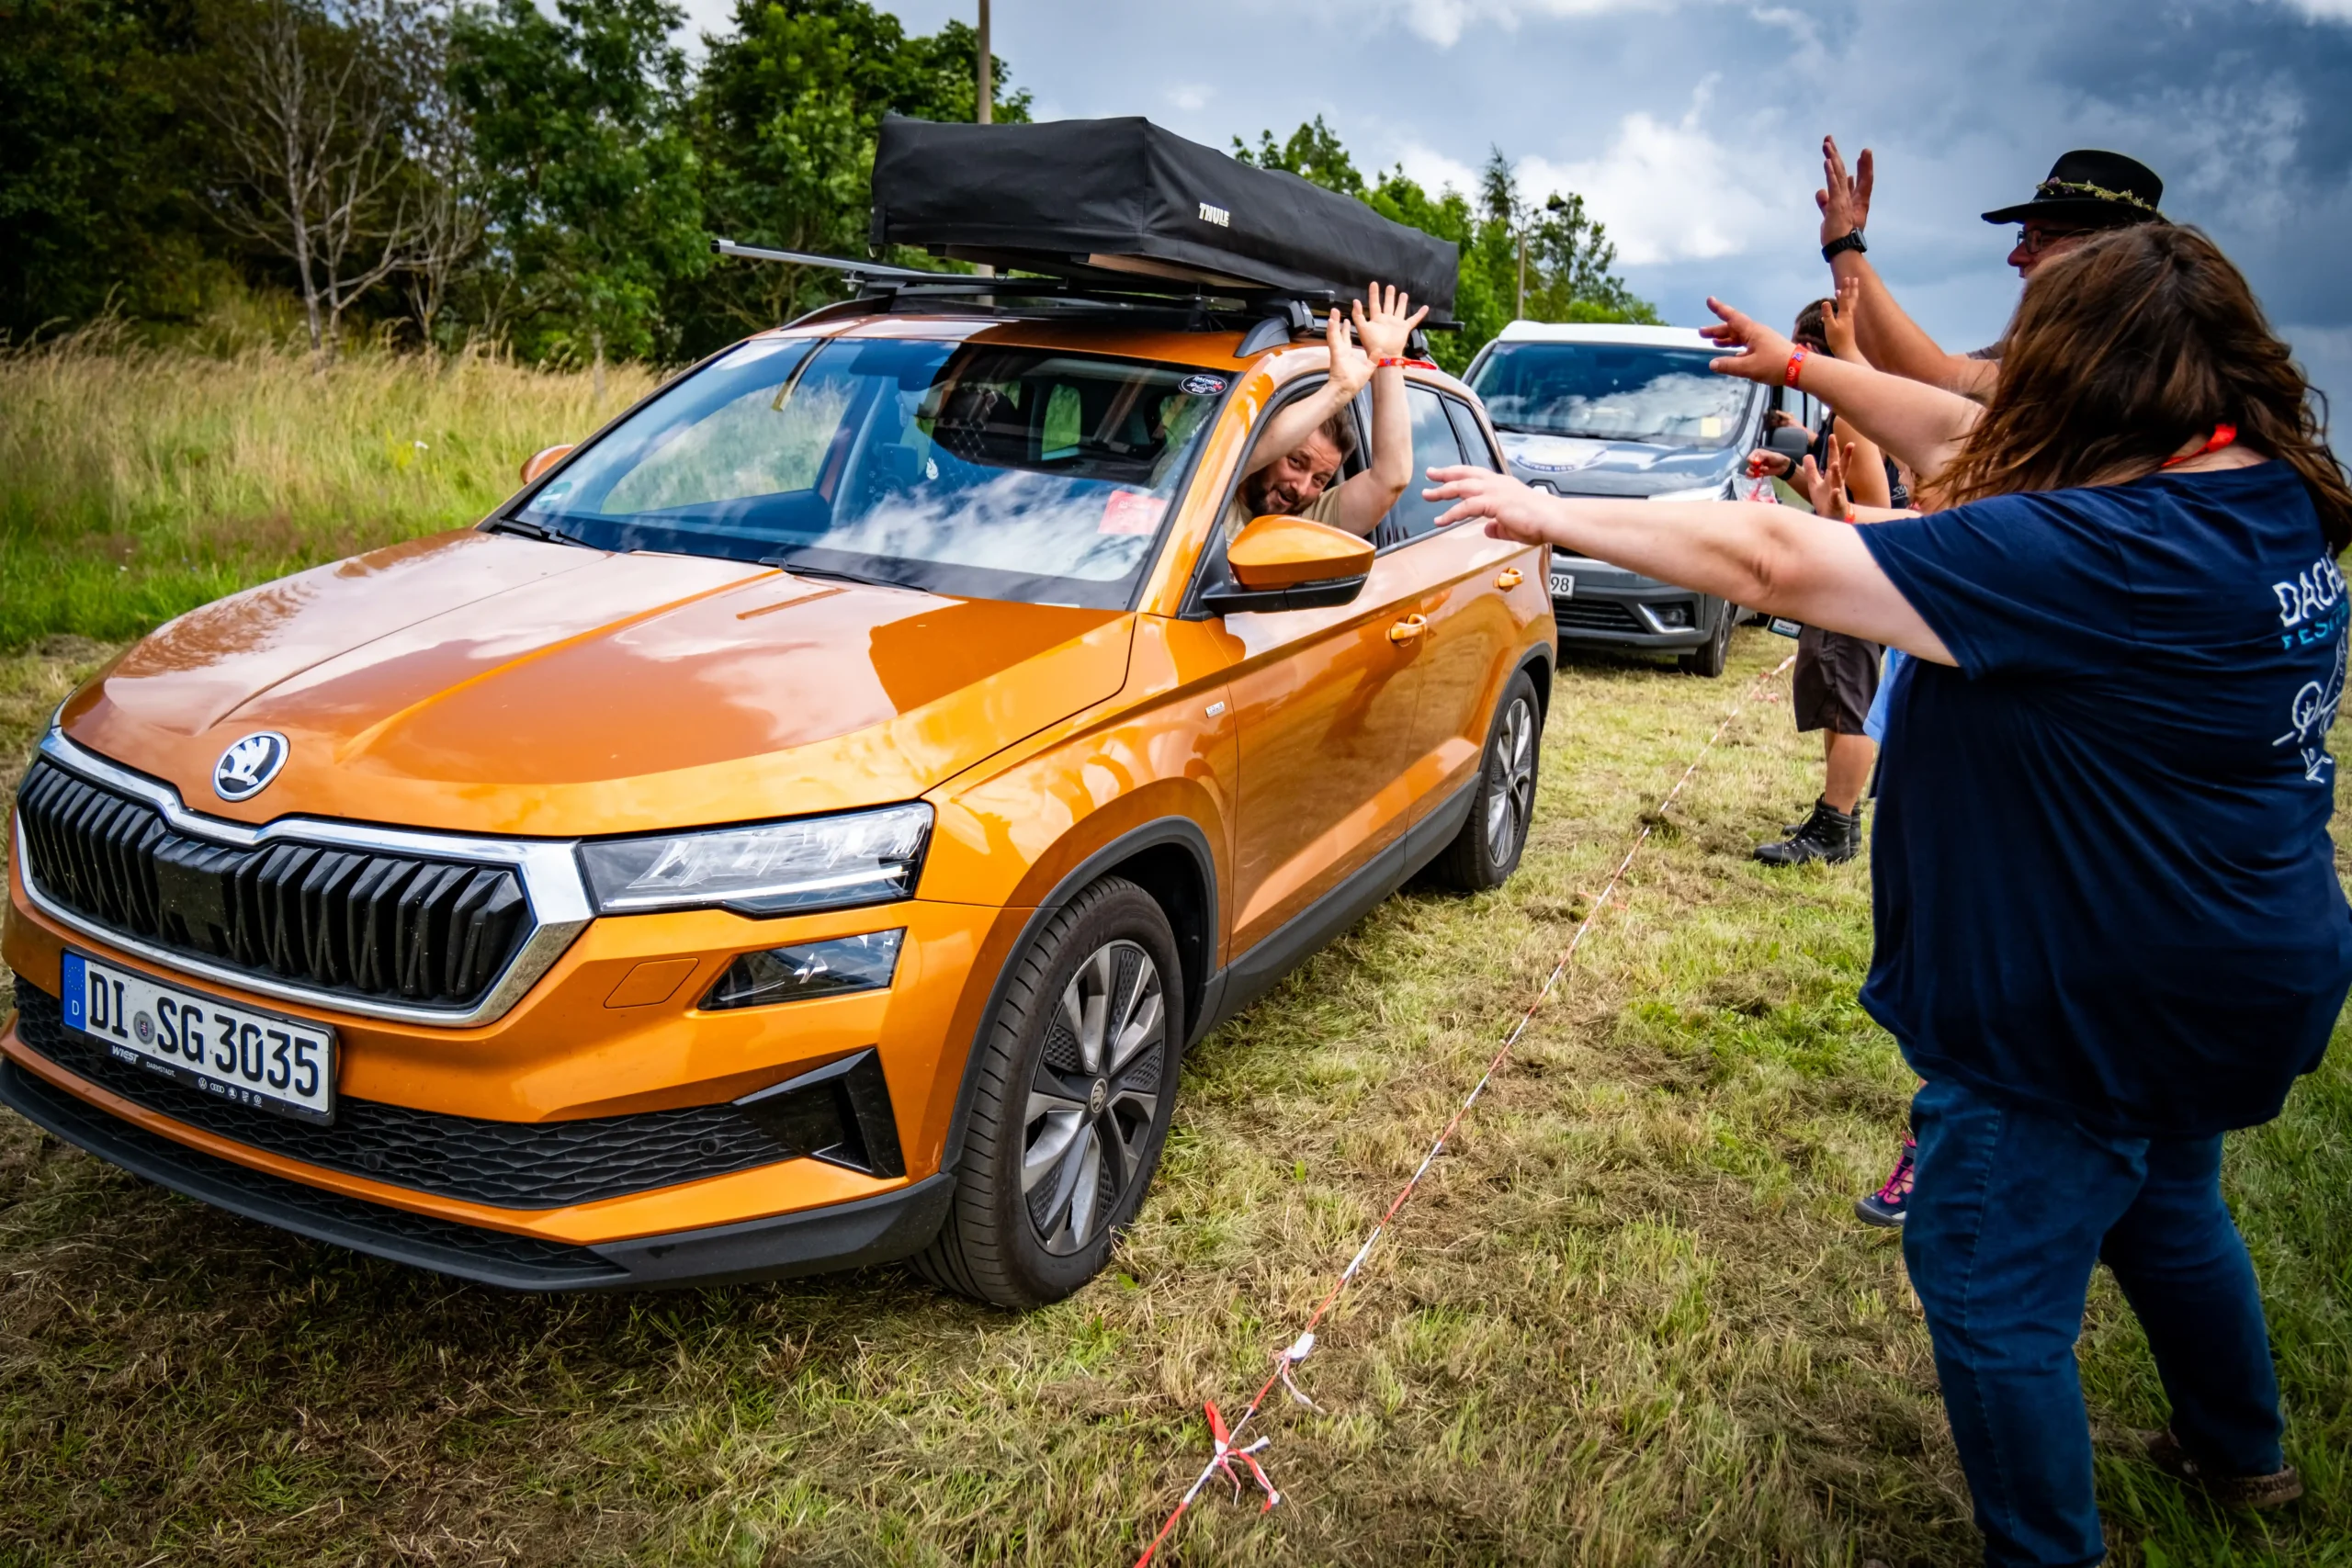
point(1434, 446)
point(1213, 572)
point(1475, 447)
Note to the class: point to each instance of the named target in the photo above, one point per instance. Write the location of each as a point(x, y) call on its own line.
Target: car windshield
point(972, 470)
point(1612, 393)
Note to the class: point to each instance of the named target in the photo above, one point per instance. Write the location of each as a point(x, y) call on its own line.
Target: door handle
point(1508, 578)
point(1408, 628)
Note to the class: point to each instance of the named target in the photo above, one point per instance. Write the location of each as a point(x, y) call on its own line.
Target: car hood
point(482, 684)
point(1573, 466)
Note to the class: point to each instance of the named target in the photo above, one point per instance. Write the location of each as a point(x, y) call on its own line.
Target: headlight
point(1716, 492)
point(820, 863)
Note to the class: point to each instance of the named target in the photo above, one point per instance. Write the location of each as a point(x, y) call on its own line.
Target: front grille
point(358, 922)
point(1594, 615)
point(511, 1165)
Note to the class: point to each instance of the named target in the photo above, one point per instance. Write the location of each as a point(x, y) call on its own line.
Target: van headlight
point(817, 863)
point(1716, 492)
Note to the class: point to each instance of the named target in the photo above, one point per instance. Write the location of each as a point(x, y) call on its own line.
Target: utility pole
point(987, 83)
point(1519, 305)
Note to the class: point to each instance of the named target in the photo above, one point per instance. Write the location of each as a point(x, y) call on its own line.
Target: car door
point(1458, 579)
point(1324, 703)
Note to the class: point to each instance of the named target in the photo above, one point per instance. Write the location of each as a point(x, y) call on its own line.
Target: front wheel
point(1076, 1080)
point(1487, 850)
point(1713, 656)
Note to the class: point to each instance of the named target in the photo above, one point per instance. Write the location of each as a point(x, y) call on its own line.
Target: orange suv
point(805, 827)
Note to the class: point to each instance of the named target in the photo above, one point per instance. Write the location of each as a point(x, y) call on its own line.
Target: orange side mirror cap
point(539, 462)
point(1273, 552)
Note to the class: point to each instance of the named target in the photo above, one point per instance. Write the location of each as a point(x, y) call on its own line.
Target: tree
point(1569, 263)
point(589, 181)
point(317, 94)
point(785, 118)
point(451, 221)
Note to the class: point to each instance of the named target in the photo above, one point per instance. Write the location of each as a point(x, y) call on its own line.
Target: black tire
point(1711, 657)
point(1487, 850)
point(1064, 1133)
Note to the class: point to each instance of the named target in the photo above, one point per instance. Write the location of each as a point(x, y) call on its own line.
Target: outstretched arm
point(1893, 341)
point(1774, 559)
point(1383, 329)
point(1921, 424)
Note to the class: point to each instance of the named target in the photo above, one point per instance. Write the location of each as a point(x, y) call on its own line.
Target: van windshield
point(970, 470)
point(1666, 396)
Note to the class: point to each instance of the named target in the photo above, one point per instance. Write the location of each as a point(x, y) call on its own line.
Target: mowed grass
point(137, 482)
point(1629, 1319)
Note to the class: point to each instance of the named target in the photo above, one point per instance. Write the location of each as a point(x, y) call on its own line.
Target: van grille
point(359, 922)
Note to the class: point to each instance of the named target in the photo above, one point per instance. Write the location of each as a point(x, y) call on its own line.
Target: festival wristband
point(1393, 362)
point(1796, 363)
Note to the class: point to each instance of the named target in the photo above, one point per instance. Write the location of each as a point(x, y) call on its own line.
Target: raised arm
point(1383, 330)
point(1921, 424)
point(1891, 340)
point(1302, 417)
point(1864, 466)
point(1774, 559)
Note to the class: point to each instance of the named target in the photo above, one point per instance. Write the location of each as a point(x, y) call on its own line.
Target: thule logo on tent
point(1217, 215)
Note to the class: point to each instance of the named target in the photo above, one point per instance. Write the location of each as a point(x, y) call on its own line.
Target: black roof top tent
point(1120, 213)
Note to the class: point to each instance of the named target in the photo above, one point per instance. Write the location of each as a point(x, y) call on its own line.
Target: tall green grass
point(138, 482)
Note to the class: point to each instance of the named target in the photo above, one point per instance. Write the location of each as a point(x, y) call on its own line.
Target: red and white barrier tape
point(1224, 1450)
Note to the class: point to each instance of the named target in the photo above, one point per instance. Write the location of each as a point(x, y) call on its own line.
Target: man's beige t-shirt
point(1324, 508)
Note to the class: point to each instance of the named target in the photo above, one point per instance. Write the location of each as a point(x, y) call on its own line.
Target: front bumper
point(1624, 609)
point(870, 1230)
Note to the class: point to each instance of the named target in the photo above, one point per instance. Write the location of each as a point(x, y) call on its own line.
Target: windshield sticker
point(1128, 513)
point(1201, 386)
point(1711, 426)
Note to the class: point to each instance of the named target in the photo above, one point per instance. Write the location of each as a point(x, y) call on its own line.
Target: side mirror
point(1791, 441)
point(1293, 563)
point(539, 462)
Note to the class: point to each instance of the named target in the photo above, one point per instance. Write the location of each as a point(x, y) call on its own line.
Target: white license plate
point(1564, 585)
point(251, 1058)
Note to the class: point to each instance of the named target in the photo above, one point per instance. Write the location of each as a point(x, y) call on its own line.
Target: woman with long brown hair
point(2108, 927)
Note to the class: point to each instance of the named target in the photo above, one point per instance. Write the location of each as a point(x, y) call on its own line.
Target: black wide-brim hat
point(2090, 189)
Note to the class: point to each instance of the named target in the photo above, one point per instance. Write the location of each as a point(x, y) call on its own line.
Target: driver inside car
point(1291, 469)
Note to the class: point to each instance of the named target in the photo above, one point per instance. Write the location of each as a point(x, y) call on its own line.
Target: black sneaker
point(1828, 835)
point(1893, 1200)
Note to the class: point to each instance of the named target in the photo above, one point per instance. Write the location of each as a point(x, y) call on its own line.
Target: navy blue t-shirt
point(2104, 885)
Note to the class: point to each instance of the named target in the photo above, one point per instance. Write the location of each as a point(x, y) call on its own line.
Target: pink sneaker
point(1887, 1205)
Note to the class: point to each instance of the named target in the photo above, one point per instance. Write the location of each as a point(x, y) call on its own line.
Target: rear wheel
point(1077, 1079)
point(1711, 657)
point(1487, 850)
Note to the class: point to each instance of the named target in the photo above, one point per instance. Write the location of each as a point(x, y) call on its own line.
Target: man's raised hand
point(1827, 489)
point(1837, 320)
point(1382, 324)
point(1350, 368)
point(1762, 354)
point(1843, 200)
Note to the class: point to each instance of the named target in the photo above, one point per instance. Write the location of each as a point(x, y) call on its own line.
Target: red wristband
point(1797, 362)
point(1393, 362)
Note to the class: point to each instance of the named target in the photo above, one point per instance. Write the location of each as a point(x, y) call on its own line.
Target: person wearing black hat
point(2087, 193)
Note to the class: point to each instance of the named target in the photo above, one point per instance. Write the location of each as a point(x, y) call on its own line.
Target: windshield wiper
point(864, 580)
point(521, 529)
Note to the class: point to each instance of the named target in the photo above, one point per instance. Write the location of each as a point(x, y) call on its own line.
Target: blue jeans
point(2010, 1210)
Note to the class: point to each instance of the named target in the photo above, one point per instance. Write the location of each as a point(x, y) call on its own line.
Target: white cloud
point(1672, 191)
point(2323, 10)
point(1442, 22)
point(1191, 96)
point(1433, 170)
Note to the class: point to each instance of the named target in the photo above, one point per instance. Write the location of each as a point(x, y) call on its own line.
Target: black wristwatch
point(1850, 241)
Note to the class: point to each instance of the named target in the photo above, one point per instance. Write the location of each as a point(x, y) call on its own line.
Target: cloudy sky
point(1693, 127)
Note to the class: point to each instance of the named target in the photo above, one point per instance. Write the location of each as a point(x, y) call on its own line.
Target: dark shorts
point(1836, 680)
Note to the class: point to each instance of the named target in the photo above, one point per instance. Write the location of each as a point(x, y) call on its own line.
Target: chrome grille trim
point(548, 869)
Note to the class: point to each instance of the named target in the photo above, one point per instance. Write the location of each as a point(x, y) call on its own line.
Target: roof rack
point(1266, 318)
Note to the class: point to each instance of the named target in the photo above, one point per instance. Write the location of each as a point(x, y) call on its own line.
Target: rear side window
point(1434, 446)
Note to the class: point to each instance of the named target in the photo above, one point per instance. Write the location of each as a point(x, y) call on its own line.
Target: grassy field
point(139, 482)
point(1628, 1320)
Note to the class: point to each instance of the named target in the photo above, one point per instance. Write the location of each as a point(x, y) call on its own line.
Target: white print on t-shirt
point(2313, 715)
point(2308, 598)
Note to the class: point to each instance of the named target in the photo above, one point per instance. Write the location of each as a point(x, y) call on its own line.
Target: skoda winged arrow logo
point(245, 769)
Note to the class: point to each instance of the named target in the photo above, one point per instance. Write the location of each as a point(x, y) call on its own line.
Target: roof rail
point(1267, 319)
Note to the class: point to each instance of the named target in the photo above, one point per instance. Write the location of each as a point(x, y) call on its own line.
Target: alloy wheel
point(1511, 794)
point(1095, 1096)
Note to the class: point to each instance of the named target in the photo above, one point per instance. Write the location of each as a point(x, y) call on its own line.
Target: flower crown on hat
point(2086, 190)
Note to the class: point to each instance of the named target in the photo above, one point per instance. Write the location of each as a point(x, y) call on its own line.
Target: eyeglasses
point(2033, 241)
